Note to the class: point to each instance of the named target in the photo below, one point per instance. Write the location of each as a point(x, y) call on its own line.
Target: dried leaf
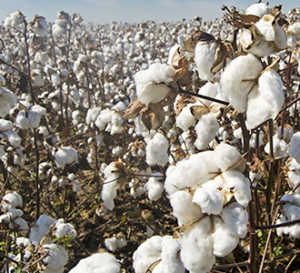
point(198, 36)
point(152, 116)
point(182, 102)
point(182, 74)
point(198, 111)
point(133, 109)
point(257, 165)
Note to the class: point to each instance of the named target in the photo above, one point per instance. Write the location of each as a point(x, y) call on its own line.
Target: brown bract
point(197, 36)
point(152, 116)
point(224, 51)
point(182, 102)
point(36, 21)
point(133, 109)
point(257, 165)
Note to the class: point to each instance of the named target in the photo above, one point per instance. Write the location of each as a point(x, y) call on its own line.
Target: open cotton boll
point(99, 262)
point(147, 253)
point(206, 128)
point(192, 172)
point(235, 218)
point(104, 117)
point(56, 260)
point(5, 125)
point(209, 200)
point(240, 185)
point(34, 119)
point(11, 200)
point(288, 132)
point(209, 89)
point(66, 155)
point(266, 101)
point(156, 150)
point(154, 188)
point(236, 80)
point(21, 225)
point(258, 9)
point(148, 82)
point(226, 156)
point(197, 247)
point(111, 244)
point(186, 119)
point(187, 142)
point(92, 115)
point(63, 229)
point(40, 228)
point(170, 262)
point(205, 56)
point(223, 241)
point(280, 147)
point(183, 207)
point(294, 29)
point(294, 149)
point(7, 101)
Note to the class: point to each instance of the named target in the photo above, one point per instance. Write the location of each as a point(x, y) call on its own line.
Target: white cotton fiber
point(66, 155)
point(5, 125)
point(209, 200)
point(183, 207)
point(235, 218)
point(99, 262)
point(154, 188)
point(266, 101)
point(238, 80)
point(209, 89)
point(223, 241)
point(192, 172)
point(258, 9)
point(294, 150)
point(57, 258)
point(197, 247)
point(240, 185)
point(11, 200)
point(206, 128)
point(185, 119)
point(226, 156)
point(147, 253)
point(111, 244)
point(205, 56)
point(279, 147)
point(156, 150)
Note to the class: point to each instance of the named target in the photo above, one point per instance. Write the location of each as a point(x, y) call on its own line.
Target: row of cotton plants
point(200, 115)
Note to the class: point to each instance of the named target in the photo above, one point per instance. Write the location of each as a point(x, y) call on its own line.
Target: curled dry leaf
point(133, 109)
point(197, 36)
point(152, 116)
point(257, 165)
point(198, 111)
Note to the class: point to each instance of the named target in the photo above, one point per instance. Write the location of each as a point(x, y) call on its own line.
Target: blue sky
point(105, 11)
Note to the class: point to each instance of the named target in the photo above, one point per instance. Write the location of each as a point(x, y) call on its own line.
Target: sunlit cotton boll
point(205, 56)
point(258, 9)
point(99, 262)
point(63, 229)
point(294, 149)
point(148, 82)
point(56, 260)
point(265, 101)
point(147, 253)
point(206, 129)
point(280, 148)
point(223, 242)
point(11, 200)
point(236, 80)
point(156, 150)
point(209, 200)
point(66, 155)
point(197, 247)
point(154, 188)
point(7, 101)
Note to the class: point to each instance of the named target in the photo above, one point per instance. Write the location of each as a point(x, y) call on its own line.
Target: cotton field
point(150, 147)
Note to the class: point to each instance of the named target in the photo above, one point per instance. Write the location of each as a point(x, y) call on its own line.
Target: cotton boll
point(279, 147)
point(206, 128)
point(148, 89)
point(5, 125)
point(226, 156)
point(154, 188)
point(205, 56)
point(209, 200)
point(258, 9)
point(294, 149)
point(92, 115)
point(235, 84)
point(147, 253)
point(288, 132)
point(183, 207)
point(192, 172)
point(240, 185)
point(197, 247)
point(20, 224)
point(40, 228)
point(104, 117)
point(223, 241)
point(209, 89)
point(11, 200)
point(266, 101)
point(99, 262)
point(156, 150)
point(57, 258)
point(66, 155)
point(235, 218)
point(63, 229)
point(111, 244)
point(185, 119)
